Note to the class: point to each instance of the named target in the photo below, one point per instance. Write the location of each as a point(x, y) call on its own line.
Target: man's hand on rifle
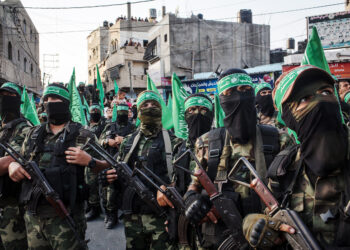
point(162, 200)
point(17, 172)
point(119, 139)
point(111, 175)
point(112, 143)
point(262, 231)
point(75, 155)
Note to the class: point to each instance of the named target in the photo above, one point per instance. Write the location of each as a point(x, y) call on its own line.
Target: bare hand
point(75, 155)
point(17, 172)
point(112, 143)
point(162, 200)
point(119, 139)
point(111, 175)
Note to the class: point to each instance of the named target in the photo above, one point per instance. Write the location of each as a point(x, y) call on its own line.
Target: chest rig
point(8, 188)
point(66, 179)
point(116, 129)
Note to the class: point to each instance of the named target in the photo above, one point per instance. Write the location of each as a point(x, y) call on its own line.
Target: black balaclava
point(322, 136)
point(198, 123)
point(10, 107)
point(265, 103)
point(122, 117)
point(57, 112)
point(95, 116)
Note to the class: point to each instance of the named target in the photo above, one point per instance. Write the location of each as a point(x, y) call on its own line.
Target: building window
point(145, 43)
point(165, 38)
point(25, 64)
point(9, 50)
point(18, 56)
point(24, 26)
point(31, 68)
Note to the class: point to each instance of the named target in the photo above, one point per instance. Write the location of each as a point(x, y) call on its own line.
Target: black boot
point(112, 220)
point(93, 213)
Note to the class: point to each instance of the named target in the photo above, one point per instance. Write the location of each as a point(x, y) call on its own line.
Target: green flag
point(167, 120)
point(76, 107)
point(219, 113)
point(170, 103)
point(314, 54)
point(86, 110)
point(178, 107)
point(114, 115)
point(99, 86)
point(28, 108)
point(116, 88)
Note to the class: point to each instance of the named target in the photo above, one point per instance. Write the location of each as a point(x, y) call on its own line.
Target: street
point(101, 238)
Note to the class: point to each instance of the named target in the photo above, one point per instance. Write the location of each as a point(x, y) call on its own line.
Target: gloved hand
point(263, 232)
point(102, 177)
point(197, 206)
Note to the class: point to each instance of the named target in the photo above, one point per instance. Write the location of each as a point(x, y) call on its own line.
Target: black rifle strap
point(291, 185)
point(216, 139)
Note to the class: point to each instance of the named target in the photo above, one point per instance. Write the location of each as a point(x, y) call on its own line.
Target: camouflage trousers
point(54, 233)
point(12, 227)
point(145, 231)
point(91, 180)
point(111, 197)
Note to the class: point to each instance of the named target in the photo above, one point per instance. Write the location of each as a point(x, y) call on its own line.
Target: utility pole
point(50, 63)
point(131, 92)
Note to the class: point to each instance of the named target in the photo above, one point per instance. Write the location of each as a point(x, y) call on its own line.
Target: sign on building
point(333, 29)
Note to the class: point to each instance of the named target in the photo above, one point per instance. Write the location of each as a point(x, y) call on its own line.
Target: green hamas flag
point(170, 103)
point(167, 120)
point(28, 108)
point(114, 114)
point(179, 96)
point(99, 86)
point(76, 107)
point(219, 113)
point(116, 88)
point(314, 54)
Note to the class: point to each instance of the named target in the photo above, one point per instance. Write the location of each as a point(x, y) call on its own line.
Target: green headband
point(261, 86)
point(122, 107)
point(234, 80)
point(347, 97)
point(12, 86)
point(286, 83)
point(53, 90)
point(94, 107)
point(146, 96)
point(198, 101)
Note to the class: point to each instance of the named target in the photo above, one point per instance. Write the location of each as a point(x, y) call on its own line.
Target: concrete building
point(347, 5)
point(19, 47)
point(125, 62)
point(192, 45)
point(98, 41)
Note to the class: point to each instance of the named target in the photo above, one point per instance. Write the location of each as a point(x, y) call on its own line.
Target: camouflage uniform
point(230, 154)
point(145, 231)
point(262, 119)
point(110, 198)
point(91, 178)
point(12, 225)
point(46, 230)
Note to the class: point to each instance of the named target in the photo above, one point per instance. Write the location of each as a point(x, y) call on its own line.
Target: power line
point(82, 7)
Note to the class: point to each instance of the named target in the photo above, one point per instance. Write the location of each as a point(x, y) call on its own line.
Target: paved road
point(106, 239)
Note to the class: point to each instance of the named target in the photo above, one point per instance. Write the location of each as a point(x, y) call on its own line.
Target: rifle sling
point(134, 144)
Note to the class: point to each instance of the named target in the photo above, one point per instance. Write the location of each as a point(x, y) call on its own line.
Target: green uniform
point(45, 229)
point(143, 228)
point(12, 228)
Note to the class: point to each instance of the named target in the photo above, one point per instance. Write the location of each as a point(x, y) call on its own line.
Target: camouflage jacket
point(97, 128)
point(267, 120)
point(314, 201)
point(231, 153)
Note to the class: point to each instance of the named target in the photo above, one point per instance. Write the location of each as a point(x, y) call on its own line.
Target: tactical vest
point(8, 188)
point(154, 161)
point(66, 179)
point(100, 127)
point(116, 129)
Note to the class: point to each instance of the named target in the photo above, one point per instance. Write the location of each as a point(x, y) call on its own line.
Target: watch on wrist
point(92, 163)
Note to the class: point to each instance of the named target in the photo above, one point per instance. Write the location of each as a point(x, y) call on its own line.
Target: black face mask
point(95, 117)
point(57, 112)
point(122, 119)
point(240, 115)
point(198, 125)
point(9, 107)
point(322, 136)
point(265, 104)
point(81, 88)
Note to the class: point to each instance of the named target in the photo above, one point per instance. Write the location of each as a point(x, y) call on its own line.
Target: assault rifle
point(41, 183)
point(302, 239)
point(223, 208)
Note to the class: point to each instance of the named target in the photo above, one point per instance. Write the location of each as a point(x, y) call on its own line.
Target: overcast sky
point(64, 32)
